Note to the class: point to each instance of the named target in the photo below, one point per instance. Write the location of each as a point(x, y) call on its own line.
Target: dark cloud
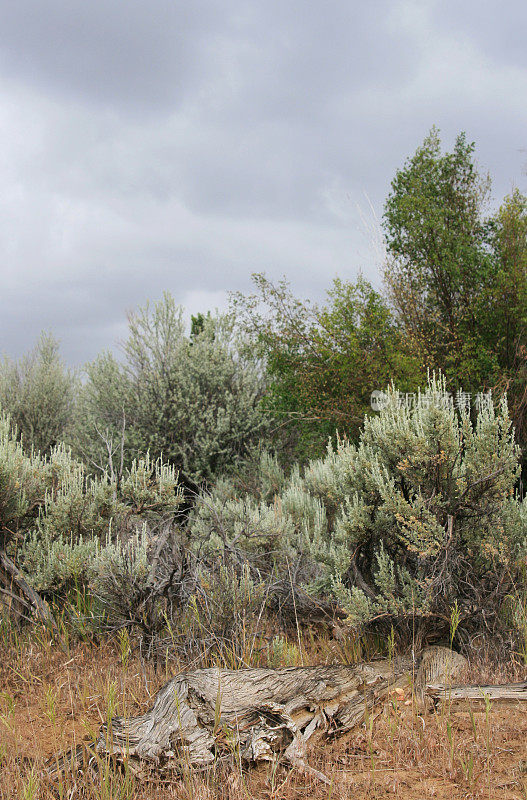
point(135, 55)
point(156, 145)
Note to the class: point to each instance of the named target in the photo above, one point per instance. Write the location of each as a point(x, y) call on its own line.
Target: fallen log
point(259, 714)
point(477, 698)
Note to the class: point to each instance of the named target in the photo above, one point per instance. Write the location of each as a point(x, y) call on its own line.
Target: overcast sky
point(157, 144)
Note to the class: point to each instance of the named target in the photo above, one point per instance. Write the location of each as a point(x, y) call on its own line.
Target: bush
point(55, 564)
point(38, 394)
point(55, 518)
point(21, 484)
point(419, 515)
point(432, 519)
point(194, 399)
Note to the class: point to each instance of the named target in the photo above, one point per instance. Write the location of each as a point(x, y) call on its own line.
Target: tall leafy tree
point(506, 309)
point(439, 258)
point(324, 361)
point(456, 275)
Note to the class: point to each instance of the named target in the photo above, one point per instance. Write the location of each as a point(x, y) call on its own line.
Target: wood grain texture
point(259, 714)
point(477, 698)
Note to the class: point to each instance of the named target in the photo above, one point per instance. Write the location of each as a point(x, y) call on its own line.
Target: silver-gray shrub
point(88, 526)
point(38, 392)
point(119, 541)
point(101, 429)
point(420, 514)
point(59, 523)
point(195, 399)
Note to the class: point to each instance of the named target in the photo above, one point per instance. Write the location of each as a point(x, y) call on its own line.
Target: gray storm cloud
point(156, 145)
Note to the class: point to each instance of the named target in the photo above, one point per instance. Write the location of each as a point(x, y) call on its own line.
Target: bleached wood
point(477, 698)
point(259, 714)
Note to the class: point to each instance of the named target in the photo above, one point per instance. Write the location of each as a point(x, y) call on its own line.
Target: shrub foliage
point(194, 399)
point(418, 516)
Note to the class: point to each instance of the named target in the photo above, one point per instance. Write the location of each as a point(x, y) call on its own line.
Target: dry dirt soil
point(53, 696)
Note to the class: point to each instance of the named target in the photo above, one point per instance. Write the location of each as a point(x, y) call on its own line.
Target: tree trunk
point(477, 698)
point(257, 713)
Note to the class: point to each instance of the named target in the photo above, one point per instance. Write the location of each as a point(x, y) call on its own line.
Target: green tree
point(458, 278)
point(197, 323)
point(37, 392)
point(506, 308)
point(440, 262)
point(324, 362)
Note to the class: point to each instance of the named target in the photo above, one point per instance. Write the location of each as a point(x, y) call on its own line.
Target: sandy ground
point(52, 697)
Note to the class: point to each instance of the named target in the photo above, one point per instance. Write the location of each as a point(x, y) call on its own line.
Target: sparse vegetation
point(55, 694)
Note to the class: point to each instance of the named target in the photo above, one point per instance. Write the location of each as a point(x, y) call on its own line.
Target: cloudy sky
point(157, 144)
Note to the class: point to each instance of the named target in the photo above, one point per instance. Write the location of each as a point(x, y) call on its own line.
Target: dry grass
point(53, 696)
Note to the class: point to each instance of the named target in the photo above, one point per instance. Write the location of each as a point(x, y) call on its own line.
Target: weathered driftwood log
point(260, 713)
point(257, 714)
point(477, 698)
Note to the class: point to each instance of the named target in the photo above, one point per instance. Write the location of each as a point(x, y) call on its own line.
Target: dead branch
point(477, 698)
point(13, 584)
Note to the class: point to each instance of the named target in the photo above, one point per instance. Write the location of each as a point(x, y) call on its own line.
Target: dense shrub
point(418, 516)
point(37, 392)
point(194, 399)
point(60, 523)
point(431, 519)
point(22, 483)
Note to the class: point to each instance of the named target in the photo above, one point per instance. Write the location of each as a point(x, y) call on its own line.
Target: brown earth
point(53, 697)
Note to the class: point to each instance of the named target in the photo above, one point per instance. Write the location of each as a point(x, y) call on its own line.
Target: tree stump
point(258, 713)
